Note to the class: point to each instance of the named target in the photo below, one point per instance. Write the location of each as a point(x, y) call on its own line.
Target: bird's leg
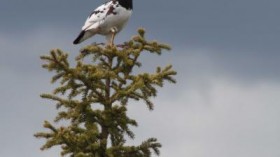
point(114, 31)
point(112, 38)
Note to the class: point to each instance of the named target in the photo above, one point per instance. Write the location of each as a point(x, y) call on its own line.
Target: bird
point(107, 20)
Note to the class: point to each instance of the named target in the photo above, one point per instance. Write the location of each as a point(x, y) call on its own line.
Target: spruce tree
point(93, 97)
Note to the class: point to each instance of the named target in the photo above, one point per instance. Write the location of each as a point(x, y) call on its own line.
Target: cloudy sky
point(226, 52)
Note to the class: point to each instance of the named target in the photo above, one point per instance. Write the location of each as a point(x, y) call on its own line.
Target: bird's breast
point(117, 20)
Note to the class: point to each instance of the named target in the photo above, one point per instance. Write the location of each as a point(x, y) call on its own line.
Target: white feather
point(102, 20)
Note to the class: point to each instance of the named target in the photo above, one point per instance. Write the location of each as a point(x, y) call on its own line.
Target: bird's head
point(126, 3)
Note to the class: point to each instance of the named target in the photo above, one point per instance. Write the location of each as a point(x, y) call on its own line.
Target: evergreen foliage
point(94, 96)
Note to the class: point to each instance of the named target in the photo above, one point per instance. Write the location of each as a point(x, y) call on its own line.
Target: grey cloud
point(235, 121)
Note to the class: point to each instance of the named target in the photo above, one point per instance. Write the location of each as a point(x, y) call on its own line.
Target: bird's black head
point(126, 3)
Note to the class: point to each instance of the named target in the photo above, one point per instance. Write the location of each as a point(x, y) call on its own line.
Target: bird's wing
point(96, 18)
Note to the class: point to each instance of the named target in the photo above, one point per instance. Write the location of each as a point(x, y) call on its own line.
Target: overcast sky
point(226, 52)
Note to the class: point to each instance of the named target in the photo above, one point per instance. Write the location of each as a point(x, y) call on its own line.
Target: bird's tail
point(84, 35)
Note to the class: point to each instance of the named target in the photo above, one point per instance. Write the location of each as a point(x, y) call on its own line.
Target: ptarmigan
point(107, 20)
